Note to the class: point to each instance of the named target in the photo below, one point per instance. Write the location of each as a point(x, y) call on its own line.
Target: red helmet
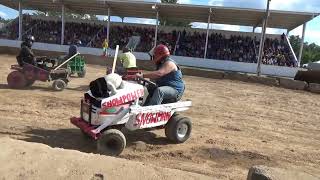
point(160, 52)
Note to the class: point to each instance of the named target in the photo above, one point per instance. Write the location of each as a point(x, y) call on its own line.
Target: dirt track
point(235, 125)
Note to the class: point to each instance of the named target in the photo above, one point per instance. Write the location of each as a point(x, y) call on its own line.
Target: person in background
point(73, 49)
point(127, 61)
point(105, 46)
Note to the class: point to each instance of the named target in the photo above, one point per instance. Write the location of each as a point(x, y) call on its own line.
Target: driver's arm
point(167, 68)
point(29, 52)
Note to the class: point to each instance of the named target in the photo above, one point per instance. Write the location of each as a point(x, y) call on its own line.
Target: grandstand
point(237, 48)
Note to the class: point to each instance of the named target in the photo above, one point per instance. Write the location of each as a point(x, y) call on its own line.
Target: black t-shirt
point(26, 55)
point(73, 49)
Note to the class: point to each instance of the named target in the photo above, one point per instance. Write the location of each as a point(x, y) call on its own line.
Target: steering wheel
point(146, 83)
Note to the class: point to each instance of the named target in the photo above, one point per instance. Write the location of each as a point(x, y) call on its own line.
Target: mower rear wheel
point(16, 80)
point(178, 129)
point(82, 74)
point(59, 85)
point(111, 143)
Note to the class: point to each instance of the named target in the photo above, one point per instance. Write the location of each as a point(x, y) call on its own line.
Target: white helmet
point(113, 79)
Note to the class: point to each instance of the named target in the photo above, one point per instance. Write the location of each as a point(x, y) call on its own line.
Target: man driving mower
point(73, 49)
point(168, 77)
point(128, 62)
point(26, 55)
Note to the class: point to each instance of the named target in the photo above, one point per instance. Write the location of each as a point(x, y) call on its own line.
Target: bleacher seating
point(181, 42)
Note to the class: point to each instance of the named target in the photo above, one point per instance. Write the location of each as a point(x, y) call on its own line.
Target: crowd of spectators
point(181, 43)
point(277, 53)
point(119, 35)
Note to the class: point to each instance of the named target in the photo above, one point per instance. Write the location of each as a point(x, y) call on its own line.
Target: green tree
point(311, 52)
point(169, 21)
point(5, 21)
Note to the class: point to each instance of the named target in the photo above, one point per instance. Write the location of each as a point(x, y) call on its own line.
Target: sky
point(312, 29)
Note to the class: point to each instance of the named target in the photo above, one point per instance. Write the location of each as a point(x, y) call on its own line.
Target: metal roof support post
point(302, 44)
point(207, 38)
point(108, 27)
point(156, 32)
point(62, 23)
point(261, 48)
point(20, 21)
point(264, 27)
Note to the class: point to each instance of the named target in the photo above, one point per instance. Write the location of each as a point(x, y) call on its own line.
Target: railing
point(30, 29)
point(291, 49)
point(255, 48)
point(89, 44)
point(177, 42)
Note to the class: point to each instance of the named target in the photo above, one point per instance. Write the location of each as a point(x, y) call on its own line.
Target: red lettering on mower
point(125, 98)
point(151, 118)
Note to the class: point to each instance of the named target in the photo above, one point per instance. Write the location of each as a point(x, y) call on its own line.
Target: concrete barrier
point(202, 73)
point(315, 88)
point(292, 84)
point(270, 81)
point(271, 173)
point(237, 76)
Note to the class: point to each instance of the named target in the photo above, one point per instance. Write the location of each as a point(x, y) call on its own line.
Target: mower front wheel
point(59, 85)
point(178, 129)
point(111, 143)
point(82, 74)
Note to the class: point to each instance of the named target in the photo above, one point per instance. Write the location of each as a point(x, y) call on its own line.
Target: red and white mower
point(104, 119)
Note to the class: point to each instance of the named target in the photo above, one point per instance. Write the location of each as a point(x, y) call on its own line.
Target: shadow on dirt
point(75, 140)
point(82, 88)
point(61, 138)
point(41, 88)
point(4, 86)
point(216, 154)
point(227, 157)
point(48, 88)
point(145, 136)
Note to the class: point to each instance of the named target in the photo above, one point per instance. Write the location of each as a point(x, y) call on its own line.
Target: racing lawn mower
point(46, 70)
point(105, 119)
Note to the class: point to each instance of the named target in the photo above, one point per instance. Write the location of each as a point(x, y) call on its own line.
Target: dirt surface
point(235, 125)
point(38, 161)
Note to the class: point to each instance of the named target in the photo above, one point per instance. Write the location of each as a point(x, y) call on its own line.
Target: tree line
point(311, 52)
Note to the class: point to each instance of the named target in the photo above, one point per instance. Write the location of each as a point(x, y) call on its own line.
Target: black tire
point(111, 143)
point(59, 85)
point(16, 80)
point(83, 73)
point(178, 129)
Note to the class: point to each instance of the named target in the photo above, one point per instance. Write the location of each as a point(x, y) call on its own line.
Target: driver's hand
point(139, 75)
